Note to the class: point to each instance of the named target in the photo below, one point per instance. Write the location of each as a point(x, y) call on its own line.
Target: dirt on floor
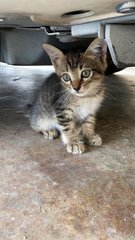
point(49, 194)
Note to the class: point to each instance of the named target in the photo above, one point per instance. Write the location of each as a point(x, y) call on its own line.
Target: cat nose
point(77, 88)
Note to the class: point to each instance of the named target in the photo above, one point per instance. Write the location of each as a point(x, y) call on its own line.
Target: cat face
point(80, 73)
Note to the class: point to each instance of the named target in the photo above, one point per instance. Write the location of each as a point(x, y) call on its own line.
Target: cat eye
point(66, 77)
point(85, 73)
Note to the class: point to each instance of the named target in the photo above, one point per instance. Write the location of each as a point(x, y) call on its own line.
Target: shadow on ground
point(48, 194)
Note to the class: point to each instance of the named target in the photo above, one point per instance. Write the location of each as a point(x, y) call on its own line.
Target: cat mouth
point(78, 93)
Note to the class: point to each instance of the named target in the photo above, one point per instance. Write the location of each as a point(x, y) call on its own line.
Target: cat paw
point(77, 148)
point(51, 134)
point(95, 140)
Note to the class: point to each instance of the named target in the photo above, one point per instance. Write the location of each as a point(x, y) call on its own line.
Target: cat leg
point(73, 140)
point(71, 134)
point(45, 126)
point(88, 130)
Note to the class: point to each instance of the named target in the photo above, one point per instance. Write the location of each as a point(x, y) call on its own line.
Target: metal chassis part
point(120, 38)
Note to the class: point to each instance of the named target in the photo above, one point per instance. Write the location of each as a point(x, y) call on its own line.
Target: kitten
point(69, 99)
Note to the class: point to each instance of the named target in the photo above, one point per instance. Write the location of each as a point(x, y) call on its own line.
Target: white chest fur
point(87, 106)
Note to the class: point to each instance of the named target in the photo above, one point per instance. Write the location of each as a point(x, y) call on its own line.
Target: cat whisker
point(66, 98)
point(111, 87)
point(109, 96)
point(108, 93)
point(95, 91)
point(62, 98)
point(56, 94)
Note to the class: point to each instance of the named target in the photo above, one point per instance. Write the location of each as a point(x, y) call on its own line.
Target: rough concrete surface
point(49, 194)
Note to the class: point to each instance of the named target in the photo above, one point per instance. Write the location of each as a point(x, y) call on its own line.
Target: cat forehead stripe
point(74, 59)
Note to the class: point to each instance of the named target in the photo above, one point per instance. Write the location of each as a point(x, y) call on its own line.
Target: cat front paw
point(51, 134)
point(77, 148)
point(95, 140)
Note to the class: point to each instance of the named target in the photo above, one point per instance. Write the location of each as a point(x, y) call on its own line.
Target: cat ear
point(54, 53)
point(97, 49)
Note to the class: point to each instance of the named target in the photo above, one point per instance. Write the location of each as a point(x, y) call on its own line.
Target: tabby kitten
point(69, 99)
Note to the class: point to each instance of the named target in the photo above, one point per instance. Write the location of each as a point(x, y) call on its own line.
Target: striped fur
point(69, 99)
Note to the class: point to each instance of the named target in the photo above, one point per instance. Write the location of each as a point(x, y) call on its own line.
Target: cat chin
point(80, 94)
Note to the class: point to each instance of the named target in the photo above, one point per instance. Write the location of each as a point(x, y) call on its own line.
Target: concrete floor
point(48, 194)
